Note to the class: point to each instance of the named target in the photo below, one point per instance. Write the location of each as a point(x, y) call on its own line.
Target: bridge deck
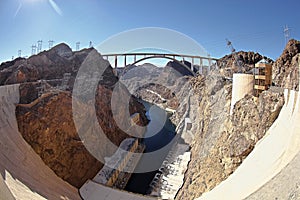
point(159, 54)
point(116, 58)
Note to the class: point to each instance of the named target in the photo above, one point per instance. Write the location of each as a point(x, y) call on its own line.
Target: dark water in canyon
point(160, 132)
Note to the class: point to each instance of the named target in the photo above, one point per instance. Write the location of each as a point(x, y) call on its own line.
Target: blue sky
point(250, 25)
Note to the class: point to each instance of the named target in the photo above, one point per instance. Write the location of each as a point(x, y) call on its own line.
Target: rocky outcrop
point(47, 125)
point(45, 116)
point(221, 142)
point(158, 94)
point(179, 67)
point(228, 65)
point(153, 84)
point(47, 65)
point(285, 70)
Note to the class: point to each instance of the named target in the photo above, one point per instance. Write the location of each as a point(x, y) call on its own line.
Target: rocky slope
point(247, 61)
point(156, 84)
point(45, 117)
point(47, 65)
point(220, 141)
point(47, 125)
point(286, 68)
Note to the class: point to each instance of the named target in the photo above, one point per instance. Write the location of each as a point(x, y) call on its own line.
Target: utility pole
point(77, 46)
point(40, 45)
point(33, 49)
point(287, 33)
point(50, 43)
point(19, 53)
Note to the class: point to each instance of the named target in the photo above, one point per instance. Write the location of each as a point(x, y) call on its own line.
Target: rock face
point(285, 71)
point(47, 125)
point(45, 116)
point(247, 60)
point(153, 84)
point(158, 94)
point(179, 68)
point(47, 65)
point(221, 142)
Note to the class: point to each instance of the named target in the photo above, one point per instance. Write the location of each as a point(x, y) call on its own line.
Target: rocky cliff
point(246, 60)
point(47, 65)
point(285, 71)
point(219, 141)
point(47, 125)
point(157, 85)
point(45, 115)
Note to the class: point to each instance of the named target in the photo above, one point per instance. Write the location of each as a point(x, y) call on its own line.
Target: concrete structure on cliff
point(255, 84)
point(271, 170)
point(274, 161)
point(242, 84)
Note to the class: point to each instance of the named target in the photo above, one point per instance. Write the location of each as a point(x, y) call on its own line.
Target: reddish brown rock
point(46, 121)
point(47, 125)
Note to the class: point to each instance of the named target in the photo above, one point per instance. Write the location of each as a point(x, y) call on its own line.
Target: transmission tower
point(77, 46)
point(19, 53)
point(230, 46)
point(40, 45)
point(287, 33)
point(33, 49)
point(236, 60)
point(50, 43)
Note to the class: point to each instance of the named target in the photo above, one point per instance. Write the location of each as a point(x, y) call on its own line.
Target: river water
point(160, 132)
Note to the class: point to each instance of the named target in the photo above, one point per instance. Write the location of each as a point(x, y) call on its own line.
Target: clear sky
point(255, 25)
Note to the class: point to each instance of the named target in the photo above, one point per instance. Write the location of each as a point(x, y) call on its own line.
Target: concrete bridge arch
point(165, 57)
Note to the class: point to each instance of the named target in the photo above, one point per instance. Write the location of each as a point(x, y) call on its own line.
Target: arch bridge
point(198, 63)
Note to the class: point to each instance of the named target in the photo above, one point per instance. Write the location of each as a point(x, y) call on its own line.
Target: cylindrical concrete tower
point(242, 84)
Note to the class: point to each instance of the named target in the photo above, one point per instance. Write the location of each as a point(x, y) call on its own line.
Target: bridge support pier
point(116, 62)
